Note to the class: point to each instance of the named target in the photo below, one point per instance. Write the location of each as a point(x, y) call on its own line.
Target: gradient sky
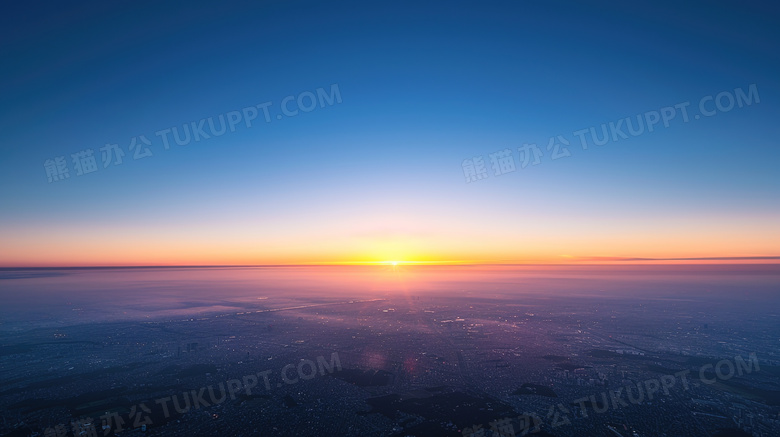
point(424, 85)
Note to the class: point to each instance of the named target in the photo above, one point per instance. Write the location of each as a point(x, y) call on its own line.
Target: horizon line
point(581, 261)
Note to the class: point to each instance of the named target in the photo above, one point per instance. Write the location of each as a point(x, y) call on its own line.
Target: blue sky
point(424, 86)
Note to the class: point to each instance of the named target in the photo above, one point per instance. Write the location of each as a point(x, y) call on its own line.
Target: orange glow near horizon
point(80, 246)
point(401, 263)
point(192, 248)
point(439, 233)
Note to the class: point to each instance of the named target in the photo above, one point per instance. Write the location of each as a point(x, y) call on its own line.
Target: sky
point(383, 166)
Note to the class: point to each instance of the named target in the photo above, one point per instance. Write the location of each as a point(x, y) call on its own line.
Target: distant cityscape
point(412, 365)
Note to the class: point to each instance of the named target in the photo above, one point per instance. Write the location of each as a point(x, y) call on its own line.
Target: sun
point(392, 264)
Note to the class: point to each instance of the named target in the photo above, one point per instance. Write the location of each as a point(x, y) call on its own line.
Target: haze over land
point(491, 342)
